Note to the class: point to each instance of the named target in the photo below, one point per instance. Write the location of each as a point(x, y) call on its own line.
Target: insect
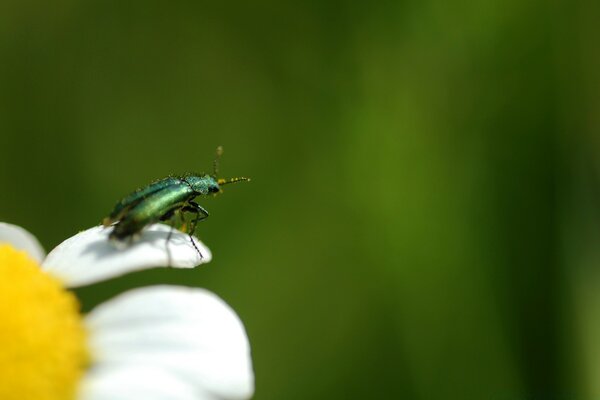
point(162, 200)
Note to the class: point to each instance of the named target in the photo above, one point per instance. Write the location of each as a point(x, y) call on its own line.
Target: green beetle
point(162, 200)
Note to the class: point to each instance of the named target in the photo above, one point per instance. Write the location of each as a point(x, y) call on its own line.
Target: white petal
point(189, 332)
point(22, 240)
point(136, 382)
point(89, 256)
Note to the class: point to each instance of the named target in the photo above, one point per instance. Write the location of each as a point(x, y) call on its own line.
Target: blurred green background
point(423, 217)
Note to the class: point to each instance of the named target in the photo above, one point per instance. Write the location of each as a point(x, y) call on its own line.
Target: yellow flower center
point(42, 338)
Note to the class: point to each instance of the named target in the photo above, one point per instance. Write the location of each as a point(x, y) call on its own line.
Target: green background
point(423, 219)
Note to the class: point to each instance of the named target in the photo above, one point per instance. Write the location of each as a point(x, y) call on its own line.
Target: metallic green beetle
point(162, 200)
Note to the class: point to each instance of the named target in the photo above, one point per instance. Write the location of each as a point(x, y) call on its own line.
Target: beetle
point(162, 200)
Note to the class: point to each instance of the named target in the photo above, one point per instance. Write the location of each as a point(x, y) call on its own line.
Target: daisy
point(160, 342)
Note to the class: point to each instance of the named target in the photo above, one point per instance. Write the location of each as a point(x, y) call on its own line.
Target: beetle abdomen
point(130, 201)
point(151, 210)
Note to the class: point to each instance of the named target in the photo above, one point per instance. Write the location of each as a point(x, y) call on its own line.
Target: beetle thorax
point(203, 184)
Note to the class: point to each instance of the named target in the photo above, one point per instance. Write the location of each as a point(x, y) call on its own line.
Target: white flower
point(161, 342)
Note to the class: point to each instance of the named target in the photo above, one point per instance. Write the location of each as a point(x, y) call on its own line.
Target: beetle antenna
point(218, 155)
point(232, 180)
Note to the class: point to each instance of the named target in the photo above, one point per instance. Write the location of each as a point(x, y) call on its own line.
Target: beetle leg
point(169, 216)
point(201, 214)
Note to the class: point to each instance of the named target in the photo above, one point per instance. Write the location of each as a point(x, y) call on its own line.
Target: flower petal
point(189, 332)
point(22, 240)
point(136, 382)
point(89, 256)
